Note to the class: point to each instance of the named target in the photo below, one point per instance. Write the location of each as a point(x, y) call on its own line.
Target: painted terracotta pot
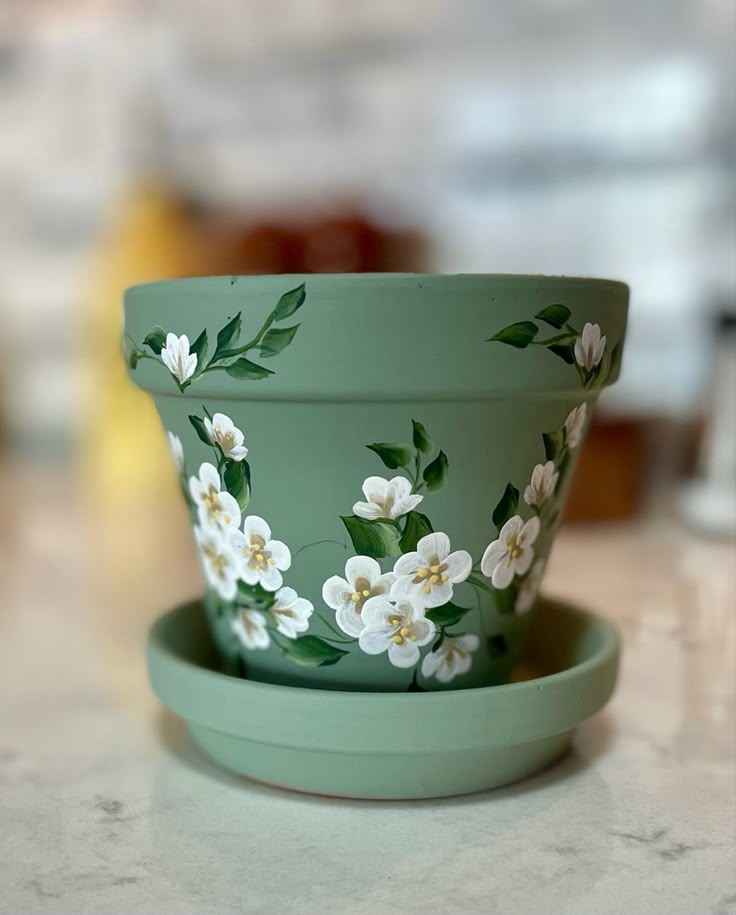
point(375, 465)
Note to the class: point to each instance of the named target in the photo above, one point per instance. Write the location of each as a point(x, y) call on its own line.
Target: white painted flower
point(575, 425)
point(386, 498)
point(215, 506)
point(290, 613)
point(427, 575)
point(219, 560)
point(451, 659)
point(262, 559)
point(177, 451)
point(512, 553)
point(347, 596)
point(589, 347)
point(400, 629)
point(222, 431)
point(176, 357)
point(543, 484)
point(250, 627)
point(529, 588)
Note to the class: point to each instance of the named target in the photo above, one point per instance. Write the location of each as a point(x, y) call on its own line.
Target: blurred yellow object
point(124, 453)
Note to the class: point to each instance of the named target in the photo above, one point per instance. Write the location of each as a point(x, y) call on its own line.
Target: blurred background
point(145, 139)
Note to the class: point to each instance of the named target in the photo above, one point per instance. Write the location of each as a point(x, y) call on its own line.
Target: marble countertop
point(107, 808)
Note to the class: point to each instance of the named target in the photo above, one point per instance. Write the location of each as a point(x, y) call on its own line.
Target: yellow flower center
point(216, 560)
point(431, 575)
point(405, 629)
point(515, 545)
point(258, 556)
point(362, 592)
point(213, 506)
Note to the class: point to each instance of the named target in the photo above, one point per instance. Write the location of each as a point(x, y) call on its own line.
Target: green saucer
point(389, 745)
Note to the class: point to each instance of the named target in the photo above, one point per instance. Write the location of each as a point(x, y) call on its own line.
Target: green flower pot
point(375, 465)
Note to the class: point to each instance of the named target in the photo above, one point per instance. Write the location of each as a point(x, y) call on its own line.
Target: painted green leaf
point(519, 335)
point(245, 369)
point(505, 600)
point(199, 348)
point(554, 315)
point(393, 454)
point(373, 538)
point(200, 429)
point(565, 351)
point(236, 478)
point(276, 339)
point(422, 441)
point(311, 651)
point(254, 597)
point(133, 358)
point(417, 526)
point(497, 646)
point(155, 339)
point(289, 302)
point(435, 474)
point(448, 614)
point(227, 335)
point(554, 442)
point(506, 507)
point(615, 364)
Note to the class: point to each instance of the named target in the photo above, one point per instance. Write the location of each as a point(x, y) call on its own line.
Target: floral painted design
point(386, 499)
point(451, 659)
point(216, 507)
point(400, 629)
point(219, 560)
point(177, 451)
point(427, 575)
point(398, 592)
point(589, 347)
point(250, 628)
point(178, 360)
point(262, 559)
point(543, 484)
point(347, 596)
point(575, 425)
point(582, 349)
point(290, 613)
point(512, 553)
point(223, 433)
point(188, 361)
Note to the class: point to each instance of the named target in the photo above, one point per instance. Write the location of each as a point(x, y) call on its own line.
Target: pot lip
point(230, 280)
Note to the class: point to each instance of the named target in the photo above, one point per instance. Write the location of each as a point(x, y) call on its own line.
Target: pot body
point(375, 465)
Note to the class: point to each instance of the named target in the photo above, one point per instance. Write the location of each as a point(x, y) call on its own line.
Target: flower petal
point(402, 589)
point(494, 553)
point(349, 620)
point(255, 526)
point(368, 510)
point(408, 564)
point(362, 567)
point(375, 641)
point(401, 487)
point(432, 663)
point(404, 655)
point(521, 563)
point(503, 575)
point(512, 528)
point(459, 566)
point(468, 642)
point(436, 544)
point(271, 579)
point(334, 591)
point(375, 487)
point(280, 553)
point(425, 631)
point(530, 530)
point(438, 595)
point(376, 610)
point(405, 505)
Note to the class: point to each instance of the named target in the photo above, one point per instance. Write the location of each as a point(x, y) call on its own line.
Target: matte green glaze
point(388, 745)
point(371, 353)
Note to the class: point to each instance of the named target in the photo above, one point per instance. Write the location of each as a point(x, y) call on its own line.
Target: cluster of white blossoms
point(512, 554)
point(235, 549)
point(386, 611)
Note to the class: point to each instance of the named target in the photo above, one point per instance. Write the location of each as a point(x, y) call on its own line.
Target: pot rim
point(500, 278)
